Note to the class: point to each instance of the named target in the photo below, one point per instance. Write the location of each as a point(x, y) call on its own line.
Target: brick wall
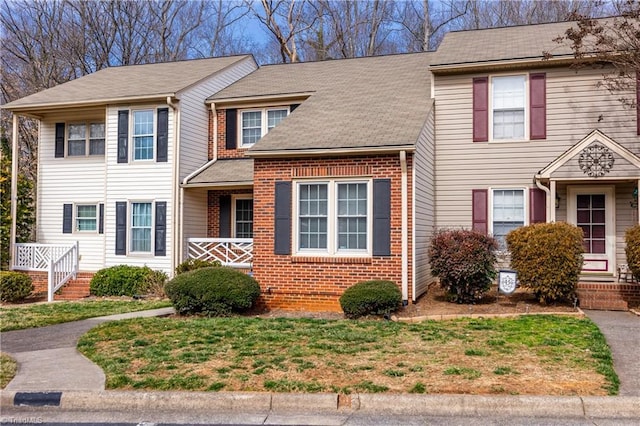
point(316, 283)
point(608, 296)
point(74, 289)
point(223, 152)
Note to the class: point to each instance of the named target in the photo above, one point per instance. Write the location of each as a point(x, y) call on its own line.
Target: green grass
point(40, 315)
point(311, 355)
point(8, 368)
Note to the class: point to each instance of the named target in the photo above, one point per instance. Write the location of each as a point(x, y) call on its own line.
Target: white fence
point(234, 252)
point(59, 261)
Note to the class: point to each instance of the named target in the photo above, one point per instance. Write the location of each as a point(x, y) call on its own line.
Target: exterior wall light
point(634, 200)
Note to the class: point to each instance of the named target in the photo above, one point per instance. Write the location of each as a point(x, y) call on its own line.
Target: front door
point(591, 208)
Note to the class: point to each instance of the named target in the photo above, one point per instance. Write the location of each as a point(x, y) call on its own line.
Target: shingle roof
point(365, 103)
point(500, 44)
point(126, 82)
point(225, 172)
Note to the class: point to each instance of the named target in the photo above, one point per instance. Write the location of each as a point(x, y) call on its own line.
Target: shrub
point(371, 298)
point(193, 264)
point(632, 250)
point(212, 291)
point(464, 261)
point(14, 286)
point(548, 259)
point(126, 280)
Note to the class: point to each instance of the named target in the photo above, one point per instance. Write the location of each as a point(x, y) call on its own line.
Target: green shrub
point(193, 264)
point(14, 286)
point(632, 250)
point(127, 280)
point(376, 297)
point(464, 261)
point(212, 291)
point(548, 259)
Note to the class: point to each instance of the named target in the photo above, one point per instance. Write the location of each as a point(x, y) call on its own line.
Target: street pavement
point(56, 384)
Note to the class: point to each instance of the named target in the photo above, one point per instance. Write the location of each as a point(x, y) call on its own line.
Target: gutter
point(404, 227)
point(177, 192)
point(330, 152)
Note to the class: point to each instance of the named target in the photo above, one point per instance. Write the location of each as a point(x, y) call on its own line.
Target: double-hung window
point(143, 135)
point(333, 217)
point(256, 123)
point(508, 107)
point(243, 221)
point(141, 224)
point(85, 139)
point(86, 217)
point(508, 213)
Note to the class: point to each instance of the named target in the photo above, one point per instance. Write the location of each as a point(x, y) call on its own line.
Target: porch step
point(609, 296)
point(75, 289)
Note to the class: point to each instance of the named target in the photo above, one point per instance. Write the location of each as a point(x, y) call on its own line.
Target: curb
point(405, 404)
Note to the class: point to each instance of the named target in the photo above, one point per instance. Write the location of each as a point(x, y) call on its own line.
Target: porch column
point(14, 189)
point(638, 206)
point(552, 202)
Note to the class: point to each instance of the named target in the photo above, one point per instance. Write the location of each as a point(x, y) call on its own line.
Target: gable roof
point(126, 83)
point(364, 104)
point(493, 45)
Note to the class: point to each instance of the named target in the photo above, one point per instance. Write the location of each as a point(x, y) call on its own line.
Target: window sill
point(331, 259)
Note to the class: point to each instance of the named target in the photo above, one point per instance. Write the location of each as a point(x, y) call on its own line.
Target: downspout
point(405, 225)
point(177, 190)
point(547, 191)
point(214, 118)
point(14, 190)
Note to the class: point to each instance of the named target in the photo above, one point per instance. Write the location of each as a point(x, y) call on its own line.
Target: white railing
point(234, 252)
point(59, 261)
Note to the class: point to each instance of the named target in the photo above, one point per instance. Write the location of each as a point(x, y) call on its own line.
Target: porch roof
point(223, 173)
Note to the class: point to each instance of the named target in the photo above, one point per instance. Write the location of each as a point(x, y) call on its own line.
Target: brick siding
point(608, 296)
point(73, 290)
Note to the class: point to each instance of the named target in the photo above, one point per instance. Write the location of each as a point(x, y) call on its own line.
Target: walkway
point(622, 331)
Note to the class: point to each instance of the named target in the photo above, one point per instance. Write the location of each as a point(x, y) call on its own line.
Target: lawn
point(38, 315)
point(536, 355)
point(8, 368)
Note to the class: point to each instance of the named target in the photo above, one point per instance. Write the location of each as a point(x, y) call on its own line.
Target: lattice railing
point(234, 252)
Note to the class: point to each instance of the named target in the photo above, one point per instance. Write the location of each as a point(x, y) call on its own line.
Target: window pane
point(251, 127)
point(86, 218)
point(76, 147)
point(244, 218)
point(141, 227)
point(96, 131)
point(142, 123)
point(143, 148)
point(274, 117)
point(96, 147)
point(143, 135)
point(508, 107)
point(352, 216)
point(508, 213)
point(77, 132)
point(312, 216)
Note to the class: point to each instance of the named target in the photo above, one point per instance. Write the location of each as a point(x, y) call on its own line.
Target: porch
point(232, 252)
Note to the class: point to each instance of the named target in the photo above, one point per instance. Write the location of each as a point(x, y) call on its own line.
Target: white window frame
point(525, 212)
point(154, 118)
point(76, 218)
point(130, 227)
point(234, 198)
point(527, 108)
point(87, 138)
point(332, 249)
point(264, 129)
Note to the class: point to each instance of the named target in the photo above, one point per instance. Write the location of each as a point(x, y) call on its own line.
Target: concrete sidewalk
point(52, 373)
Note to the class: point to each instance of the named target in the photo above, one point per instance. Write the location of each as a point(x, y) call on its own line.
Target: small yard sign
point(507, 281)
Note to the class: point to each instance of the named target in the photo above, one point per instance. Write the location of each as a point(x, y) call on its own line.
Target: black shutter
point(123, 136)
point(121, 228)
point(292, 107)
point(162, 138)
point(161, 229)
point(382, 217)
point(59, 140)
point(67, 218)
point(232, 128)
point(282, 240)
point(225, 216)
point(101, 219)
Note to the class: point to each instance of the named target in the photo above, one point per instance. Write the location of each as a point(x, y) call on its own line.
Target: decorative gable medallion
point(596, 160)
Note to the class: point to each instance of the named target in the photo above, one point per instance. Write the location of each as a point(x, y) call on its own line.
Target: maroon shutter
point(537, 206)
point(480, 210)
point(538, 104)
point(638, 101)
point(480, 109)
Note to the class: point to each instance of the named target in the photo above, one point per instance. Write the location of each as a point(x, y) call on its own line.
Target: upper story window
point(143, 135)
point(256, 123)
point(85, 139)
point(508, 107)
point(508, 213)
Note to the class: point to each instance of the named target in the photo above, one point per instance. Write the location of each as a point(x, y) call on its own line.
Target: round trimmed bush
point(126, 280)
point(376, 297)
point(632, 249)
point(464, 261)
point(548, 259)
point(193, 264)
point(212, 291)
point(14, 286)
